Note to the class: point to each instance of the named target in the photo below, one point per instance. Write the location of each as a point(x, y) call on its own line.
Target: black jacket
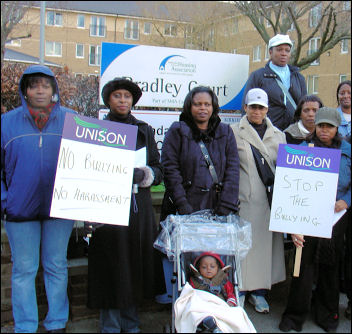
point(265, 78)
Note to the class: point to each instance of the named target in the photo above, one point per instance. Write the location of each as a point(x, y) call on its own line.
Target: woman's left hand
point(340, 205)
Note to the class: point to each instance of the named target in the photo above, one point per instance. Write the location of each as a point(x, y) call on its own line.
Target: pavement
point(156, 318)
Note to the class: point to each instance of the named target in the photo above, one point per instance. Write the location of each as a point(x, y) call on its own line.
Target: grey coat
point(264, 264)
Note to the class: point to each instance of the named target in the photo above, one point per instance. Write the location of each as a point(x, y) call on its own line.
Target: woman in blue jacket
point(323, 255)
point(30, 142)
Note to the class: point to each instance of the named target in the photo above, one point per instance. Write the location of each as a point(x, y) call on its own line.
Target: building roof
point(19, 57)
point(124, 8)
point(174, 10)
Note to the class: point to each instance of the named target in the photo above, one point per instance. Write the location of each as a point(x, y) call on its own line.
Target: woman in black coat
point(121, 266)
point(189, 183)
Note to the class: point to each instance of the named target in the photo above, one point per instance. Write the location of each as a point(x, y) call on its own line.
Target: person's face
point(326, 132)
point(208, 267)
point(308, 112)
point(255, 113)
point(280, 55)
point(120, 101)
point(202, 109)
point(344, 96)
point(39, 94)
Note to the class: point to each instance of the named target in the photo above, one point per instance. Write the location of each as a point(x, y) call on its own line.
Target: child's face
point(208, 267)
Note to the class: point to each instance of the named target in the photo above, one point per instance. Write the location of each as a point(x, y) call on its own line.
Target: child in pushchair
point(209, 273)
point(206, 297)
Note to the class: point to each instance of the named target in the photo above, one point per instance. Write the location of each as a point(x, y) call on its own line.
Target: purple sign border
point(320, 159)
point(99, 132)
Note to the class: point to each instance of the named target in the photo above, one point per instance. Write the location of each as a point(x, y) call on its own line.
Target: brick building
point(74, 31)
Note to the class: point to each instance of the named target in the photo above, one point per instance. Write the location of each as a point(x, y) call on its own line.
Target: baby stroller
point(184, 237)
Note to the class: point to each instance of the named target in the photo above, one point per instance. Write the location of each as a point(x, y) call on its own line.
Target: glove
point(222, 211)
point(89, 228)
point(138, 175)
point(185, 209)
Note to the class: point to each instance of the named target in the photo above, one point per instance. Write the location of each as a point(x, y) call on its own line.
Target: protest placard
point(94, 172)
point(305, 190)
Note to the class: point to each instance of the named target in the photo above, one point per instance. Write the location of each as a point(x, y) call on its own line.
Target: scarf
point(41, 116)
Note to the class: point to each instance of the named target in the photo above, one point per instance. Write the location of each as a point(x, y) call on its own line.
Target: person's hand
point(298, 240)
point(138, 175)
point(222, 211)
point(185, 209)
point(340, 205)
point(90, 227)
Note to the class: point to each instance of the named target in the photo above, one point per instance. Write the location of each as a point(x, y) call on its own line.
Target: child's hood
point(214, 255)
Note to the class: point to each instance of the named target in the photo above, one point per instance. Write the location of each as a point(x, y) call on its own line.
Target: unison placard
point(94, 171)
point(305, 190)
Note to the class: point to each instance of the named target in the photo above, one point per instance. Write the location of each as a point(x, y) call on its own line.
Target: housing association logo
point(177, 64)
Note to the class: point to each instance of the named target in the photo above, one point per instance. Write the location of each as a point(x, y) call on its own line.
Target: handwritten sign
point(94, 171)
point(305, 190)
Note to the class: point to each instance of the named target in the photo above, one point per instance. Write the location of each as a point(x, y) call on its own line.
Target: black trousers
point(324, 301)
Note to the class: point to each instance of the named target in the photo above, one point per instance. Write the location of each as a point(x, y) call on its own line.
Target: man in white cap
point(282, 82)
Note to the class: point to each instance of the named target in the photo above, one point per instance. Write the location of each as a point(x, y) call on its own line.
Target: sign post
point(305, 191)
point(94, 171)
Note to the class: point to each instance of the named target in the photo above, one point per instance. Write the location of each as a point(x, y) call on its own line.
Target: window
point(94, 55)
point(312, 84)
point(80, 21)
point(267, 54)
point(97, 26)
point(315, 15)
point(346, 5)
point(147, 28)
point(170, 30)
point(53, 49)
point(53, 19)
point(79, 51)
point(343, 77)
point(131, 29)
point(234, 26)
point(14, 42)
point(256, 53)
point(189, 37)
point(314, 45)
point(344, 46)
point(267, 23)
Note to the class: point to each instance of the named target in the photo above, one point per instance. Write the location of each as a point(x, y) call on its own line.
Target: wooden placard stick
point(298, 251)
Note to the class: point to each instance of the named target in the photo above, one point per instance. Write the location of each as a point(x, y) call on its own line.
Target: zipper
point(40, 141)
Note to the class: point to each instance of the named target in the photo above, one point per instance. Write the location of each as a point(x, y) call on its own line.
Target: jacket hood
point(34, 69)
point(214, 255)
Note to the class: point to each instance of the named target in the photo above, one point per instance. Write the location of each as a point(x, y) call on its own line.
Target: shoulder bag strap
point(266, 174)
point(286, 92)
point(209, 163)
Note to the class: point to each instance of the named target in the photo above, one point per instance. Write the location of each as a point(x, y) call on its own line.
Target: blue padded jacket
point(29, 158)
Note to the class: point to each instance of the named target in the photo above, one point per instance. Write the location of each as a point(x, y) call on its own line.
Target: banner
point(305, 190)
point(95, 170)
point(166, 75)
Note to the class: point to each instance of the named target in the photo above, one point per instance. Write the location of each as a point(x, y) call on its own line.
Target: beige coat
point(264, 264)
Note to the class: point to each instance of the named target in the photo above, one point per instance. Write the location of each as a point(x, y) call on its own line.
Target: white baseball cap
point(257, 96)
point(280, 39)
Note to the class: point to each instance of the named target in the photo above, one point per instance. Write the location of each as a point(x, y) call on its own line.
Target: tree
point(12, 12)
point(327, 19)
point(80, 94)
point(194, 23)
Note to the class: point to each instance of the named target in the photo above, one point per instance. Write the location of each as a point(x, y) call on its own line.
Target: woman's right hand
point(298, 240)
